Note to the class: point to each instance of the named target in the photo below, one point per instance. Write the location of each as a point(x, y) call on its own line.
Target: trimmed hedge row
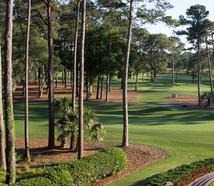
point(79, 172)
point(89, 169)
point(180, 173)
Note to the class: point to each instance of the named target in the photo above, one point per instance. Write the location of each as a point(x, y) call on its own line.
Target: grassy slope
point(186, 135)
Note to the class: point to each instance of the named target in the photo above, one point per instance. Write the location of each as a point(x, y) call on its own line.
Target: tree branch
point(40, 16)
point(46, 3)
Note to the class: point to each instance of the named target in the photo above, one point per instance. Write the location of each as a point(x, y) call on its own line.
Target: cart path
point(205, 180)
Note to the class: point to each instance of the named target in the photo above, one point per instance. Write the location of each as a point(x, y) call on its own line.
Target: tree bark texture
point(8, 97)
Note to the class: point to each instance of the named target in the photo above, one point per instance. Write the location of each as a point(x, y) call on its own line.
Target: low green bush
point(37, 181)
point(25, 173)
point(78, 172)
point(2, 176)
point(89, 169)
point(82, 172)
point(176, 175)
point(207, 98)
point(118, 156)
point(60, 177)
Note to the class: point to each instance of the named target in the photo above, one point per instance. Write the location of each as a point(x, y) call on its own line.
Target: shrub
point(89, 169)
point(67, 124)
point(207, 98)
point(37, 181)
point(82, 172)
point(2, 176)
point(119, 157)
point(60, 177)
point(79, 172)
point(178, 174)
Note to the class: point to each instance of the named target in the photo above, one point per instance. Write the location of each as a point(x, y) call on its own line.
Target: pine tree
point(81, 83)
point(8, 97)
point(2, 140)
point(27, 148)
point(125, 142)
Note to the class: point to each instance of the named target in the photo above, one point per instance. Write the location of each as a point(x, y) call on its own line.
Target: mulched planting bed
point(138, 155)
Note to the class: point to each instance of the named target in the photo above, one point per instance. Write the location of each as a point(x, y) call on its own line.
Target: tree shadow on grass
point(38, 110)
point(185, 118)
point(156, 115)
point(139, 114)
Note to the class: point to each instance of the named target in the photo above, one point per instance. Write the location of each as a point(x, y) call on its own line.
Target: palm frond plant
point(67, 124)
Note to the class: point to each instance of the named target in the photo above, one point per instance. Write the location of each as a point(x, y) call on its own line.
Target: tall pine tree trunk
point(65, 77)
point(110, 83)
point(173, 67)
point(107, 87)
point(81, 83)
point(2, 140)
point(27, 146)
point(125, 86)
point(98, 87)
point(77, 81)
point(136, 82)
point(87, 88)
point(101, 91)
point(8, 97)
point(75, 78)
point(51, 139)
point(74, 82)
point(209, 67)
point(91, 86)
point(199, 73)
point(75, 58)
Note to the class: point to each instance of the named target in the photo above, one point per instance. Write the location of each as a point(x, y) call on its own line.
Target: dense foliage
point(78, 172)
point(182, 175)
point(207, 98)
point(68, 123)
point(2, 176)
point(37, 181)
point(89, 169)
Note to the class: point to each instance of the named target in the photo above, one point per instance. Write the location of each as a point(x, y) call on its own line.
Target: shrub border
point(182, 175)
point(85, 171)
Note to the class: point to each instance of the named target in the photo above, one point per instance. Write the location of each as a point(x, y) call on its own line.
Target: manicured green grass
point(38, 122)
point(160, 90)
point(212, 184)
point(186, 135)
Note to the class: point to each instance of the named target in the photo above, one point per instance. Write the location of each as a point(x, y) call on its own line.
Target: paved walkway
point(205, 180)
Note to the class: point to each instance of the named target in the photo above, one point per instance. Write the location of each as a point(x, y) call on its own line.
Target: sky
point(180, 7)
